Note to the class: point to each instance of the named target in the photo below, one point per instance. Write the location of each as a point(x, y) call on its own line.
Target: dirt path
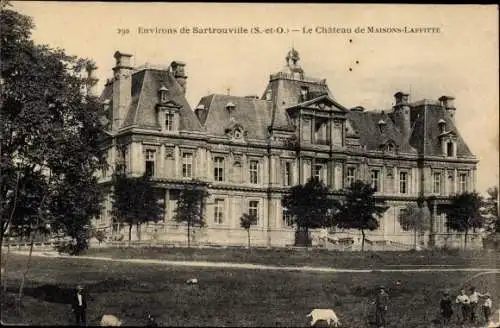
point(206, 264)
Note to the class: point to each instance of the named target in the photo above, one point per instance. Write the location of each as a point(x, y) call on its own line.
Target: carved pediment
point(323, 102)
point(236, 131)
point(169, 105)
point(449, 135)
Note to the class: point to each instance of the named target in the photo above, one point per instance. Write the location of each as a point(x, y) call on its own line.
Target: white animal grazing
point(327, 315)
point(110, 320)
point(192, 281)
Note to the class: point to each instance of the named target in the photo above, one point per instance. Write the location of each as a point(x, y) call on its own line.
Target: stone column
point(432, 236)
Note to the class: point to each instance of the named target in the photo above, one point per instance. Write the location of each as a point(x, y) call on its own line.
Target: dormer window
point(381, 126)
point(269, 94)
point(230, 107)
point(390, 147)
point(442, 125)
point(304, 92)
point(238, 133)
point(450, 149)
point(163, 94)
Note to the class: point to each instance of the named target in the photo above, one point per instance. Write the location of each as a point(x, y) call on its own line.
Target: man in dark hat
point(79, 305)
point(381, 302)
point(446, 308)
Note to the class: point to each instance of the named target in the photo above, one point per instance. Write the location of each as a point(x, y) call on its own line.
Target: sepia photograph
point(249, 165)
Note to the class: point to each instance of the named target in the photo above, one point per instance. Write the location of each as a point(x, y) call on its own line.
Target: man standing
point(463, 302)
point(79, 305)
point(381, 303)
point(446, 308)
point(474, 300)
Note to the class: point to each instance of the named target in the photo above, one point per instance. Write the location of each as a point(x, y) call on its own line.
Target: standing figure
point(463, 302)
point(487, 307)
point(79, 305)
point(446, 308)
point(381, 302)
point(151, 321)
point(474, 300)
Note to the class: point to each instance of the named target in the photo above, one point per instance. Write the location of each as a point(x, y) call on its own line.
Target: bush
point(74, 247)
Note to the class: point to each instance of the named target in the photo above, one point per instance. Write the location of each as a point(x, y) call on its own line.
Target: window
point(169, 121)
point(317, 171)
point(376, 180)
point(304, 91)
point(462, 183)
point(254, 171)
point(150, 162)
point(163, 96)
point(403, 182)
point(287, 218)
point(351, 176)
point(287, 174)
point(436, 186)
point(187, 165)
point(253, 209)
point(219, 211)
point(390, 147)
point(219, 168)
point(449, 149)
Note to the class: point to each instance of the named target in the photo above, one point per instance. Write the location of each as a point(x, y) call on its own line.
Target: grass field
point(236, 297)
point(304, 257)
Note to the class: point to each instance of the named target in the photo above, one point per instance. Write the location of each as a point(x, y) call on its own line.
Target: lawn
point(305, 257)
point(235, 297)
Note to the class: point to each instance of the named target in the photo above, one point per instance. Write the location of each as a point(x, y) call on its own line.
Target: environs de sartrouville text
point(239, 30)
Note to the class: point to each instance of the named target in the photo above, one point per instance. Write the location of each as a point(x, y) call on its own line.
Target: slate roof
point(252, 114)
point(142, 108)
point(286, 93)
point(365, 123)
point(426, 133)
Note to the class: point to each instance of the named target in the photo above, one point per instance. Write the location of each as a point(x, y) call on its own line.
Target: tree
point(190, 208)
point(463, 213)
point(246, 222)
point(49, 135)
point(415, 218)
point(489, 210)
point(49, 128)
point(360, 210)
point(310, 206)
point(135, 201)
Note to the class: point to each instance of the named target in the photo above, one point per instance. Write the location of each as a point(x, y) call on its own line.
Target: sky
point(455, 52)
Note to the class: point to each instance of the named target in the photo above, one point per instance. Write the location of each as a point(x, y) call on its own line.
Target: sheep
point(327, 315)
point(192, 281)
point(110, 320)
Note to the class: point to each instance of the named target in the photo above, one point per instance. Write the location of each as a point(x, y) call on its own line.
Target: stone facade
point(248, 151)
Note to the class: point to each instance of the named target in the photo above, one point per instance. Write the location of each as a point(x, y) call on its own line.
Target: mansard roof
point(144, 98)
point(365, 123)
point(426, 132)
point(252, 114)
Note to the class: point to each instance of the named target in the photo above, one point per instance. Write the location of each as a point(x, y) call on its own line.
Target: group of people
point(467, 306)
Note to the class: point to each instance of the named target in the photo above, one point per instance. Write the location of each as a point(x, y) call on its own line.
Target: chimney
point(91, 79)
point(447, 103)
point(179, 74)
point(122, 88)
point(402, 114)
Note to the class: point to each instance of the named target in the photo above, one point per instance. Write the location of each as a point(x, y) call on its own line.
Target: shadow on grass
point(63, 294)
